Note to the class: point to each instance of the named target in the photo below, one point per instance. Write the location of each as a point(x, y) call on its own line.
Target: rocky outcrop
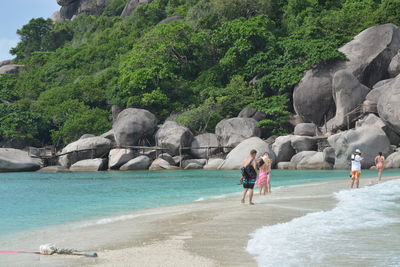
point(235, 158)
point(89, 165)
point(296, 159)
point(204, 140)
point(393, 160)
point(70, 8)
point(369, 139)
point(369, 55)
point(93, 147)
point(305, 129)
point(213, 164)
point(132, 125)
point(138, 163)
point(131, 5)
point(11, 69)
point(15, 160)
point(170, 19)
point(252, 113)
point(119, 157)
point(235, 130)
point(172, 136)
point(283, 149)
point(388, 105)
point(348, 93)
point(303, 143)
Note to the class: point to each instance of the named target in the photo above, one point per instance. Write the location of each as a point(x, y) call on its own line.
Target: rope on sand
point(50, 249)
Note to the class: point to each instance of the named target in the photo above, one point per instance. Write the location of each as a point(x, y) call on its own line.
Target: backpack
point(248, 171)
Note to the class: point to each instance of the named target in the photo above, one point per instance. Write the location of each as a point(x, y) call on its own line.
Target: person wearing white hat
point(356, 168)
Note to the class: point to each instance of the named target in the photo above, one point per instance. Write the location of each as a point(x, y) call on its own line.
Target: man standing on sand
point(379, 163)
point(249, 176)
point(356, 168)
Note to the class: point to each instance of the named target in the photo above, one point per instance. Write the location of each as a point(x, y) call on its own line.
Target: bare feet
point(242, 201)
point(251, 203)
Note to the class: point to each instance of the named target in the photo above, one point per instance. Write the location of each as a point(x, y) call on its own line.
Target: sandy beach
point(205, 233)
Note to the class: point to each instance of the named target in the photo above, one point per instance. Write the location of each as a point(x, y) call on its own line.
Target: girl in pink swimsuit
point(263, 180)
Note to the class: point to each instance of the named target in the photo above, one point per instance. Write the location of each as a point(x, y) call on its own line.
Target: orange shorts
point(355, 175)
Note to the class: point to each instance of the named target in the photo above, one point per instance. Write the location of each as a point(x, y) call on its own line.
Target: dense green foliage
point(224, 55)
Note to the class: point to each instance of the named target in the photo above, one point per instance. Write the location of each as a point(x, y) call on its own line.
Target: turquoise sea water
point(33, 200)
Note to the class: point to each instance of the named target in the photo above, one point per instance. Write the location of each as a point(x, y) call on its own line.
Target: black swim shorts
point(248, 185)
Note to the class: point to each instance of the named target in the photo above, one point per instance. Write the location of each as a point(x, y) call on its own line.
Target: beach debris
point(50, 249)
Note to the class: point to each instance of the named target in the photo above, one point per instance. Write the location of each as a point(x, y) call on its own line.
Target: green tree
point(34, 37)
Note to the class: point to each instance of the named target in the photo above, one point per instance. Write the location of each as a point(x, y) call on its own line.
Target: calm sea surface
point(33, 200)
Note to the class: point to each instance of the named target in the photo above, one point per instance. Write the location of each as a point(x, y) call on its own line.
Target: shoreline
point(196, 233)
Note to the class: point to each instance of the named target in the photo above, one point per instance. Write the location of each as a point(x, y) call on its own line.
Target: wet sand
point(206, 233)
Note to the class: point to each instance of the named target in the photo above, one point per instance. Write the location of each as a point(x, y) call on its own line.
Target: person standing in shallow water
point(249, 176)
point(263, 180)
point(356, 168)
point(379, 163)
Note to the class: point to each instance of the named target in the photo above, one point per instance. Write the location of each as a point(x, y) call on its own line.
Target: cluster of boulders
point(321, 140)
point(7, 67)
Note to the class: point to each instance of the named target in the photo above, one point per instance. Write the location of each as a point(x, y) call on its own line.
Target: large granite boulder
point(138, 163)
point(369, 139)
point(348, 93)
point(235, 130)
point(235, 158)
point(70, 8)
point(15, 160)
point(93, 147)
point(312, 96)
point(379, 88)
point(303, 143)
point(84, 136)
point(119, 156)
point(314, 161)
point(89, 165)
point(132, 125)
point(283, 148)
point(393, 160)
point(213, 164)
point(389, 105)
point(11, 69)
point(171, 136)
point(369, 55)
point(204, 140)
point(305, 129)
point(131, 5)
point(252, 113)
point(373, 120)
point(296, 159)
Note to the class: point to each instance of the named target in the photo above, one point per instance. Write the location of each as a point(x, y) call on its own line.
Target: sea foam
point(320, 238)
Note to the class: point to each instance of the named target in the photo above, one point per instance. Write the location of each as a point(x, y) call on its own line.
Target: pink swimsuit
point(263, 177)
